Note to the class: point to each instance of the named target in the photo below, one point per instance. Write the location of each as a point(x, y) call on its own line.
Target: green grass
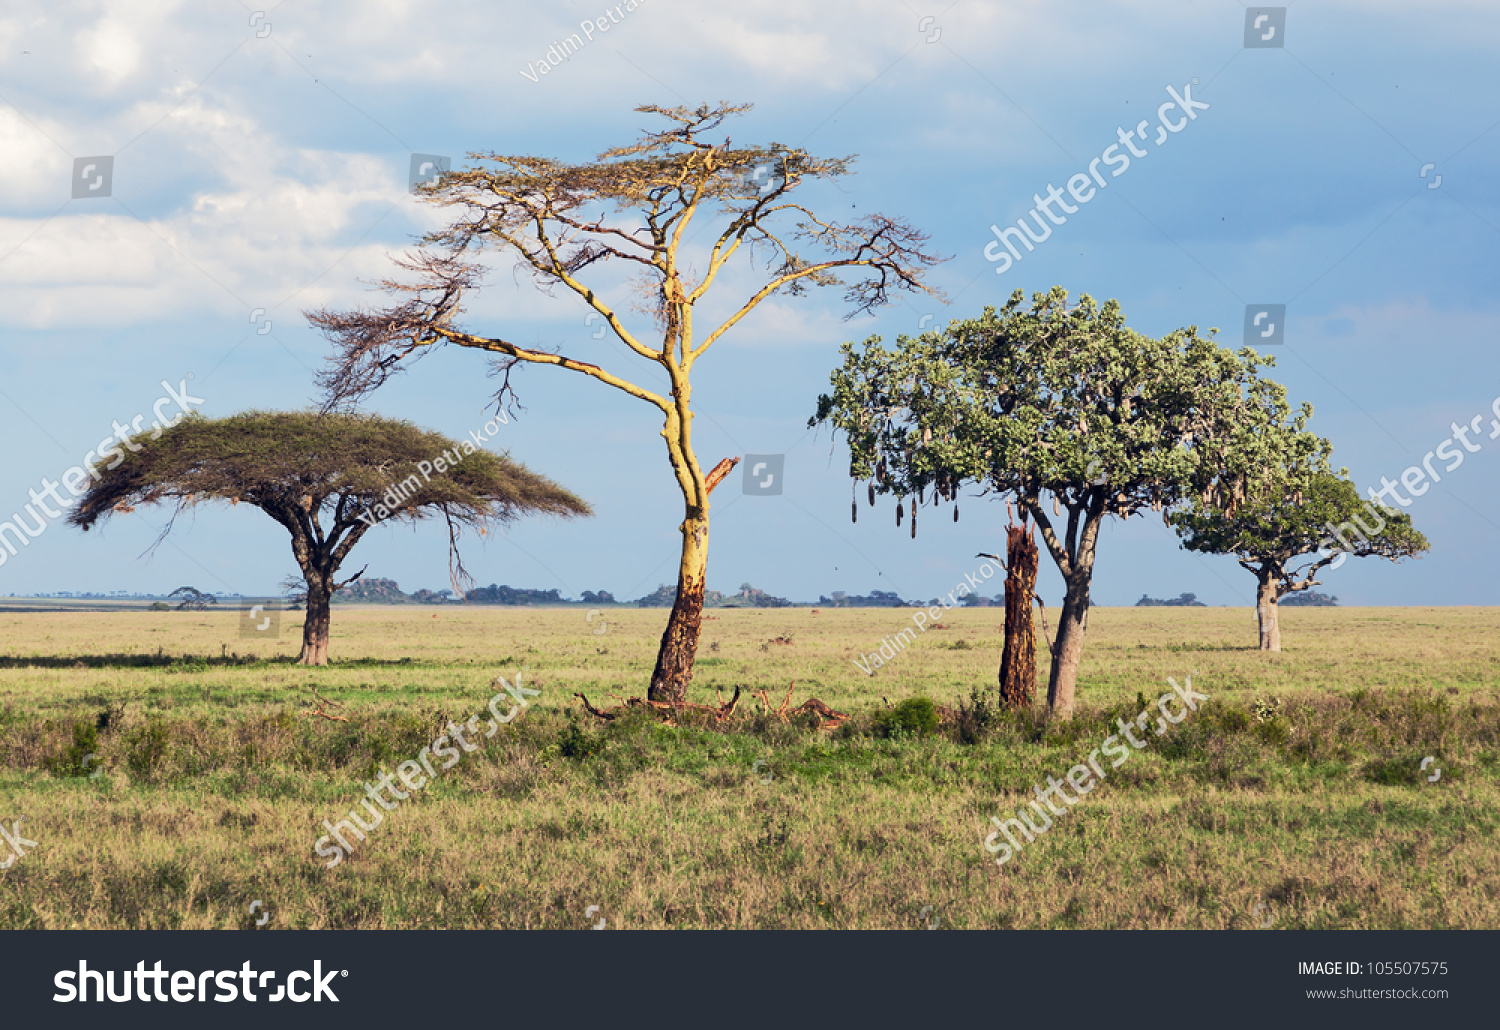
point(1296, 793)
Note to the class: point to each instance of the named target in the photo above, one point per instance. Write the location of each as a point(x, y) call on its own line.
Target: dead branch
point(606, 716)
point(666, 709)
point(723, 711)
point(321, 710)
point(780, 710)
point(718, 472)
point(827, 718)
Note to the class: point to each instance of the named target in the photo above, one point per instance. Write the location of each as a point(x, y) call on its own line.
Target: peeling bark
point(1018, 661)
point(679, 642)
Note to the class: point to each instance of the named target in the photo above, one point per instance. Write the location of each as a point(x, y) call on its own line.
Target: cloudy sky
point(258, 167)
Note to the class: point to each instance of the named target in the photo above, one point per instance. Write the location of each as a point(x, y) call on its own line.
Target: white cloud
point(110, 47)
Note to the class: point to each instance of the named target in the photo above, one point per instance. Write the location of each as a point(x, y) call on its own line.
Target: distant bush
point(914, 717)
point(70, 762)
point(146, 746)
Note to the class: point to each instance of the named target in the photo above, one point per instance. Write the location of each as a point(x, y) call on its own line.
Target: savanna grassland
point(1295, 797)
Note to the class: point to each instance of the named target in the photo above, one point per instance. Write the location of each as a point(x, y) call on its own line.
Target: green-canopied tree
point(1049, 398)
point(1300, 516)
point(327, 479)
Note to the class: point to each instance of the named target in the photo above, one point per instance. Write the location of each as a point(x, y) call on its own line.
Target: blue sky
point(260, 169)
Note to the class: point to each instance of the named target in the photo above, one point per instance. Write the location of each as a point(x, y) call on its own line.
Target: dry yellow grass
point(1320, 824)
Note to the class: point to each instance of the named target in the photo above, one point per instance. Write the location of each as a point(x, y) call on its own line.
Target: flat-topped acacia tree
point(327, 479)
point(1280, 524)
point(638, 205)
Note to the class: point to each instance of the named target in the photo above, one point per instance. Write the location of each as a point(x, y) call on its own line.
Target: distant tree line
point(874, 599)
point(1310, 599)
point(665, 596)
point(387, 591)
point(1180, 601)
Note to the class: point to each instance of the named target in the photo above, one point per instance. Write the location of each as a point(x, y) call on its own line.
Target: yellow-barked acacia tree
point(638, 205)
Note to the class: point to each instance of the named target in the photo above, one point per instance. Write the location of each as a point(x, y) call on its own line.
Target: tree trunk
point(319, 616)
point(1067, 652)
point(1266, 612)
point(1018, 660)
point(679, 643)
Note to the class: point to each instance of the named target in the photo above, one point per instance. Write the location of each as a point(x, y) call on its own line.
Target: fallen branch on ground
point(323, 704)
point(667, 709)
point(827, 718)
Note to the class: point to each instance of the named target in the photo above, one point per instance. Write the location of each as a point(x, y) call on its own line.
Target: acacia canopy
point(327, 479)
point(1290, 518)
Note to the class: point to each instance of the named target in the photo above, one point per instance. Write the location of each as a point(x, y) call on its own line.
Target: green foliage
point(1404, 769)
point(371, 590)
point(504, 594)
point(1180, 601)
point(1290, 515)
point(193, 599)
point(914, 717)
point(1050, 399)
point(579, 745)
point(70, 761)
point(1062, 400)
point(341, 464)
point(1266, 709)
point(146, 746)
point(326, 478)
point(1309, 599)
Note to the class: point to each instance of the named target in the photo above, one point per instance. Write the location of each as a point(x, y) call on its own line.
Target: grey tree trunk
point(1266, 612)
